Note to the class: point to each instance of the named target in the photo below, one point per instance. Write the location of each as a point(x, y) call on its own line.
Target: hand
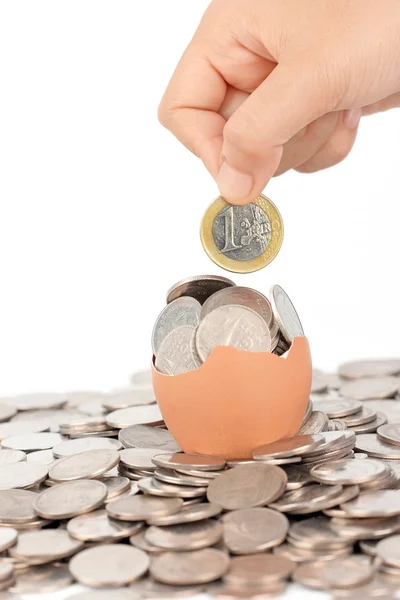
point(270, 85)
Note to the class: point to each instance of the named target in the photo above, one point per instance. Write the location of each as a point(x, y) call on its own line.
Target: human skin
point(270, 85)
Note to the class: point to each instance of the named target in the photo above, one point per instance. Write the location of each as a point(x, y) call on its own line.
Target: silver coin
point(295, 446)
point(285, 314)
point(197, 472)
point(16, 506)
point(188, 514)
point(11, 456)
point(317, 423)
point(244, 297)
point(189, 568)
point(170, 476)
point(7, 411)
point(189, 461)
point(138, 458)
point(381, 503)
point(369, 546)
point(254, 530)
point(349, 472)
point(21, 475)
point(36, 401)
point(346, 572)
point(71, 447)
point(235, 326)
point(8, 537)
point(388, 550)
point(6, 575)
point(375, 447)
point(141, 508)
point(133, 397)
point(98, 527)
point(116, 486)
point(110, 565)
point(370, 368)
point(367, 389)
point(184, 311)
point(199, 287)
point(139, 541)
point(308, 499)
point(390, 408)
point(42, 579)
point(297, 476)
point(186, 536)
point(247, 486)
point(365, 415)
point(43, 457)
point(389, 434)
point(332, 440)
point(372, 426)
point(21, 427)
point(299, 555)
point(315, 534)
point(32, 441)
point(86, 465)
point(144, 436)
point(44, 546)
point(337, 406)
point(150, 485)
point(135, 415)
point(176, 354)
point(308, 574)
point(69, 499)
point(258, 570)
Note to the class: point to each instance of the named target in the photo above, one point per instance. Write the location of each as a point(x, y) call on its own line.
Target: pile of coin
point(208, 311)
point(95, 490)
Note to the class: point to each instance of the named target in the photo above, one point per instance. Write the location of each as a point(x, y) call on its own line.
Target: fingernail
point(233, 184)
point(352, 117)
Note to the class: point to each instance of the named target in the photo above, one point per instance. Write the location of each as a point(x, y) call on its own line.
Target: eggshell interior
point(236, 400)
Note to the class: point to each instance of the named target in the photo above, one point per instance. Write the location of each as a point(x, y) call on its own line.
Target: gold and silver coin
point(244, 238)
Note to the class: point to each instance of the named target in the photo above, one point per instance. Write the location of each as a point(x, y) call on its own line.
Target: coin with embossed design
point(243, 238)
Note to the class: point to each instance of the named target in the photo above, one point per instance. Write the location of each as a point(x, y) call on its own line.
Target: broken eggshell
point(236, 400)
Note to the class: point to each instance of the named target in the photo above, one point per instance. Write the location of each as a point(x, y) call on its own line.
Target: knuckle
point(164, 114)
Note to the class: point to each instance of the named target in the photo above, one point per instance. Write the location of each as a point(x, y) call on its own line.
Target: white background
point(100, 207)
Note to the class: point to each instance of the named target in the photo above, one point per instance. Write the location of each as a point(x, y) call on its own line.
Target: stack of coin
point(208, 311)
point(92, 480)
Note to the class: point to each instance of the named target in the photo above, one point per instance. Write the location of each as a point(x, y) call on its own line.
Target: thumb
point(290, 98)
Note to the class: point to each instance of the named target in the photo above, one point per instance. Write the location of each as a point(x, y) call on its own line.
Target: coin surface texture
point(186, 568)
point(85, 465)
point(247, 486)
point(176, 355)
point(187, 536)
point(69, 499)
point(110, 565)
point(21, 475)
point(184, 311)
point(232, 325)
point(252, 530)
point(145, 436)
point(47, 545)
point(242, 296)
point(244, 238)
point(141, 508)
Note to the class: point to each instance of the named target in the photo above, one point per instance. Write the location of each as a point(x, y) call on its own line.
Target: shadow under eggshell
point(237, 400)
